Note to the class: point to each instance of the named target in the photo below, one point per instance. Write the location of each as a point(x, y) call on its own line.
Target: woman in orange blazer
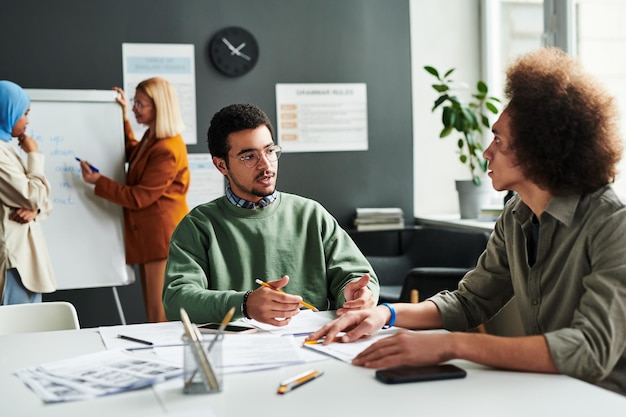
point(154, 196)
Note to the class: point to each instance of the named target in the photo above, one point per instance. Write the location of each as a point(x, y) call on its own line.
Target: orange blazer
point(154, 197)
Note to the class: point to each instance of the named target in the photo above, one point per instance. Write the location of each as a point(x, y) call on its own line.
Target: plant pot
point(473, 197)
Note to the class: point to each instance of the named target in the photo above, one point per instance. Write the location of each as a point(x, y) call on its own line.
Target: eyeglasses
point(252, 158)
point(138, 104)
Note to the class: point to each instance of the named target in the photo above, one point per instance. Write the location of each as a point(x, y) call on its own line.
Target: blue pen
point(93, 168)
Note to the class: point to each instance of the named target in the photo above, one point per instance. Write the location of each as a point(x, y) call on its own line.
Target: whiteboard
point(84, 233)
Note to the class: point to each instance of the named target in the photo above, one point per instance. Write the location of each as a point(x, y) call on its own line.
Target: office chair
point(424, 282)
point(445, 253)
point(38, 317)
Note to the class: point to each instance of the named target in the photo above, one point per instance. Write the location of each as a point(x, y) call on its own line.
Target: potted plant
point(468, 119)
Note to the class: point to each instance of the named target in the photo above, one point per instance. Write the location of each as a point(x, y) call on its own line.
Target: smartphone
point(403, 374)
point(230, 328)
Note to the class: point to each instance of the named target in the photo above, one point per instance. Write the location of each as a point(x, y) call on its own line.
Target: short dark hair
point(230, 119)
point(564, 124)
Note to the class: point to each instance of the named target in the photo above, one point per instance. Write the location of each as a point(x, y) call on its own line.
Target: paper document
point(249, 352)
point(347, 351)
point(305, 322)
point(95, 375)
point(159, 334)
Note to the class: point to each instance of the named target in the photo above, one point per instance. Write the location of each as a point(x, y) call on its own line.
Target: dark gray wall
point(78, 44)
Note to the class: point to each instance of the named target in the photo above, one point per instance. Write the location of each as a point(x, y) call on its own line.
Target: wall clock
point(233, 51)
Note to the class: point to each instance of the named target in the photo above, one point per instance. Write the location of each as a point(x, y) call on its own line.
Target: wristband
point(392, 320)
point(244, 310)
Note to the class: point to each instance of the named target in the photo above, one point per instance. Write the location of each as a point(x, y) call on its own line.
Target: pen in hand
point(93, 168)
point(265, 284)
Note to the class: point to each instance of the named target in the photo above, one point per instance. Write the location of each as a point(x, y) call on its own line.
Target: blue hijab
point(13, 104)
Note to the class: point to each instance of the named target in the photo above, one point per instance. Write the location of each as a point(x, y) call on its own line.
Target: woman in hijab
point(25, 268)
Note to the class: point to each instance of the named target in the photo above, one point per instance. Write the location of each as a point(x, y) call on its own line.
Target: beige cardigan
point(23, 246)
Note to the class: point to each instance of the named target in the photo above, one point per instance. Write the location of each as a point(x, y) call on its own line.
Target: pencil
point(134, 339)
point(220, 330)
point(298, 381)
point(265, 284)
point(336, 339)
point(202, 359)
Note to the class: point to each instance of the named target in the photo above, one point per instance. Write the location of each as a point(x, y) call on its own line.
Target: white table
point(343, 390)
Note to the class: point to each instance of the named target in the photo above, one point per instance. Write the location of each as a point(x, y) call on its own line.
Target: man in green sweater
point(255, 232)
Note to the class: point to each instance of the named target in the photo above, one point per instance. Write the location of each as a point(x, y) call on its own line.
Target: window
point(593, 30)
point(599, 32)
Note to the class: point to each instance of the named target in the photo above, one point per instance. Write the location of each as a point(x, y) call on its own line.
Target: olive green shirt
point(574, 294)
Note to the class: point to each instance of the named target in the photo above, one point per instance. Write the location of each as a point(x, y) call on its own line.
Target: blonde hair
point(169, 121)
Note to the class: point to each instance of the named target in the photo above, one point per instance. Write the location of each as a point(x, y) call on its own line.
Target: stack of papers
point(253, 352)
point(379, 218)
point(95, 375)
point(489, 214)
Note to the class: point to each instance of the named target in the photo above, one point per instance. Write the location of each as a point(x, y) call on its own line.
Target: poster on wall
point(321, 117)
point(175, 63)
point(207, 183)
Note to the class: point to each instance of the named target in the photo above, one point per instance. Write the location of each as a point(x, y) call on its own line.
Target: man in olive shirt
point(559, 246)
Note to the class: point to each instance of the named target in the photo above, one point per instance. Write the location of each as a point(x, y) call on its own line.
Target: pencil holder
point(200, 377)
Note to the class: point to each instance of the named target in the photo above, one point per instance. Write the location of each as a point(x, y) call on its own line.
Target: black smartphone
point(230, 328)
point(403, 374)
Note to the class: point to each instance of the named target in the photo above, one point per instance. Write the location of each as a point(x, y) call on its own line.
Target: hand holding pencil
point(270, 304)
point(305, 304)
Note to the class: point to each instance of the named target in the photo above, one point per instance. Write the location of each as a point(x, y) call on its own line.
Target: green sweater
point(218, 250)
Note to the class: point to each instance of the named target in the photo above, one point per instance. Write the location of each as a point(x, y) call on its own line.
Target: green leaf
point(491, 108)
point(459, 123)
point(460, 143)
point(432, 71)
point(482, 87)
point(450, 71)
point(463, 159)
point(440, 88)
point(455, 101)
point(448, 116)
point(445, 131)
point(439, 100)
point(470, 117)
point(485, 120)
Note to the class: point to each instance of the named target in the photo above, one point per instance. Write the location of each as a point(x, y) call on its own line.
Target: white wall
point(444, 34)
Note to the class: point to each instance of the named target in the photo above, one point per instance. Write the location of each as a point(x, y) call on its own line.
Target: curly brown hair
point(563, 122)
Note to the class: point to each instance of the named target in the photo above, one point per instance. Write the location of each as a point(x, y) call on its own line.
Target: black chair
point(445, 254)
point(422, 283)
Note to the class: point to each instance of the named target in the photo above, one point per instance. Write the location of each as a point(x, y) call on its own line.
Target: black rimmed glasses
point(252, 158)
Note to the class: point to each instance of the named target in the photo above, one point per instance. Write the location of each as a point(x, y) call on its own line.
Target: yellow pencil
point(220, 330)
point(265, 284)
point(226, 319)
point(336, 339)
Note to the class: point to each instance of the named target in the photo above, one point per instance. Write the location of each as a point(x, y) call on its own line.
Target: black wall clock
point(233, 51)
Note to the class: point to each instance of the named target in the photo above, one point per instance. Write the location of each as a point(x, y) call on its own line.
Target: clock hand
point(235, 51)
point(238, 49)
point(230, 46)
point(242, 55)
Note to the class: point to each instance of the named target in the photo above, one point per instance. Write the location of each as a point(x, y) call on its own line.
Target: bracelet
point(392, 321)
point(244, 311)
